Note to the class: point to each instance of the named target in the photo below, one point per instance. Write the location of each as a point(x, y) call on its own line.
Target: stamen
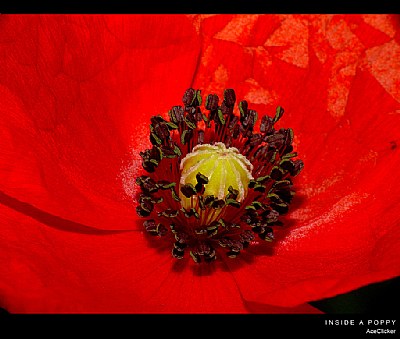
point(215, 180)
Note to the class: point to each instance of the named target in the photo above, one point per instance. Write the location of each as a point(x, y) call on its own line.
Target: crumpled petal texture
point(78, 92)
point(335, 78)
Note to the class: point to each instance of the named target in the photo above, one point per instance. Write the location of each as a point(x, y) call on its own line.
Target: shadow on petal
point(52, 220)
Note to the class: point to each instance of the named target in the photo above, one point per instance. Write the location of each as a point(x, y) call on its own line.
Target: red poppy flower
point(77, 94)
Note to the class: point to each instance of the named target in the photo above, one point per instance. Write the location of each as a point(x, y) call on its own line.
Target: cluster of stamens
point(213, 182)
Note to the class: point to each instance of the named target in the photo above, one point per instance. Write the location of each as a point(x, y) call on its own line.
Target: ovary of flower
point(224, 167)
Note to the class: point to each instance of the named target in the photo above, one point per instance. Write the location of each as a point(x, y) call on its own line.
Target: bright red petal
point(74, 91)
point(69, 126)
point(339, 84)
point(48, 270)
point(45, 270)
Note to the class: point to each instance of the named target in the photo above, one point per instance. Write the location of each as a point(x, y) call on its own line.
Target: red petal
point(341, 95)
point(45, 270)
point(342, 100)
point(74, 91)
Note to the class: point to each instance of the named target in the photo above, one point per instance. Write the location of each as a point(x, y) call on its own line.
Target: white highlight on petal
point(336, 212)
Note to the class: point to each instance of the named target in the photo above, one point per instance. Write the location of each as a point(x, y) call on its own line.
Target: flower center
point(213, 180)
point(219, 167)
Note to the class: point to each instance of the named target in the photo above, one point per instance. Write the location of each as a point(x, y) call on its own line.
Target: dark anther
point(252, 183)
point(155, 140)
point(276, 173)
point(186, 136)
point(255, 139)
point(220, 117)
point(176, 114)
point(168, 151)
point(151, 158)
point(270, 216)
point(267, 234)
point(169, 213)
point(285, 195)
point(243, 106)
point(218, 203)
point(266, 125)
point(276, 138)
point(263, 179)
point(287, 165)
point(260, 188)
point(190, 121)
point(200, 231)
point(171, 126)
point(153, 228)
point(160, 128)
point(212, 102)
point(199, 188)
point(147, 184)
point(177, 150)
point(256, 205)
point(247, 236)
point(177, 253)
point(225, 242)
point(298, 166)
point(231, 225)
point(233, 122)
point(250, 119)
point(147, 205)
point(188, 190)
point(190, 213)
point(274, 198)
point(226, 110)
point(208, 200)
point(175, 196)
point(165, 185)
point(180, 245)
point(229, 97)
point(232, 202)
point(192, 98)
point(189, 97)
point(289, 155)
point(196, 258)
point(232, 193)
point(237, 246)
point(201, 179)
point(232, 254)
point(141, 212)
point(282, 184)
point(288, 149)
point(281, 208)
point(256, 228)
point(149, 224)
point(278, 114)
point(289, 136)
point(210, 256)
point(271, 155)
point(203, 249)
point(247, 218)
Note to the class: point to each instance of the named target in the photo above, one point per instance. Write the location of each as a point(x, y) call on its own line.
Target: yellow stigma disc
point(224, 167)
